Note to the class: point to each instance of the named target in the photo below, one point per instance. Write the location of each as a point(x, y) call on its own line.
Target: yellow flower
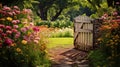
point(14, 44)
point(9, 18)
point(24, 42)
point(18, 50)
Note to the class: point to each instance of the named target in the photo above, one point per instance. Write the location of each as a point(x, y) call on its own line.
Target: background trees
point(52, 9)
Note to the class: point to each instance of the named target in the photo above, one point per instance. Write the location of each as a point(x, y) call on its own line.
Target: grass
point(62, 42)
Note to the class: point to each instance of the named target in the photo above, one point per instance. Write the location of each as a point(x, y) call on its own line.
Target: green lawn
point(62, 42)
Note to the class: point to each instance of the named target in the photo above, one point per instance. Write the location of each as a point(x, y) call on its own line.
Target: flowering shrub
point(20, 43)
point(110, 40)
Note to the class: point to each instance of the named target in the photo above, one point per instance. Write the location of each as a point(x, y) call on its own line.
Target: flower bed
point(108, 55)
point(21, 44)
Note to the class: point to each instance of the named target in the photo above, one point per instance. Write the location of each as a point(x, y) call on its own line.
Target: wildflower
point(8, 27)
point(6, 8)
point(36, 41)
point(10, 13)
point(8, 41)
point(9, 18)
point(3, 35)
point(15, 21)
point(18, 50)
point(8, 32)
point(23, 29)
point(35, 29)
point(15, 26)
point(14, 30)
point(2, 26)
point(13, 44)
point(17, 35)
point(16, 7)
point(115, 13)
point(24, 42)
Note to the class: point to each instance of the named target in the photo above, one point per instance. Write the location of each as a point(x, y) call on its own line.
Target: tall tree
point(58, 5)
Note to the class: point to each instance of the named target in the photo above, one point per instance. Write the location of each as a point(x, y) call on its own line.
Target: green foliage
point(56, 24)
point(97, 58)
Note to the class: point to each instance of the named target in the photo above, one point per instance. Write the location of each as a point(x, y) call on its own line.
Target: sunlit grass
point(62, 42)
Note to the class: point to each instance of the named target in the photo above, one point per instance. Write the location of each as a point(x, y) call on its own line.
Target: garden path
point(67, 57)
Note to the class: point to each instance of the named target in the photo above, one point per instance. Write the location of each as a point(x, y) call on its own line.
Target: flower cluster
point(14, 27)
point(110, 38)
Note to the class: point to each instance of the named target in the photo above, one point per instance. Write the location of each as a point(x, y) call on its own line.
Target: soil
point(68, 57)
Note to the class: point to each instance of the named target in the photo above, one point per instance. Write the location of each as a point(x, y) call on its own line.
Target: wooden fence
point(83, 33)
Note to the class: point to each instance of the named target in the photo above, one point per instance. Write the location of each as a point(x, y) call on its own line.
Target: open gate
point(83, 33)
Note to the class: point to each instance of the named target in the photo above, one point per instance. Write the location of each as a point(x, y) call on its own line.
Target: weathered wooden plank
point(85, 30)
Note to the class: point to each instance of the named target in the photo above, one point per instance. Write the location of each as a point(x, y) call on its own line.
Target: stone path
point(68, 57)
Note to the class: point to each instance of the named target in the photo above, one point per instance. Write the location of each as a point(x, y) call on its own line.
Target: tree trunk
point(56, 15)
point(43, 14)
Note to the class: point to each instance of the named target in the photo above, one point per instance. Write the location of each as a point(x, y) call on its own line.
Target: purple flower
point(8, 41)
point(8, 27)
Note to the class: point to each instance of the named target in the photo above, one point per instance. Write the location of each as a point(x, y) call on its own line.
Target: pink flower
point(17, 35)
point(10, 13)
point(14, 30)
point(117, 3)
point(23, 29)
point(6, 8)
point(8, 32)
point(3, 35)
point(8, 27)
point(2, 26)
point(8, 41)
point(36, 41)
point(31, 24)
point(15, 26)
point(36, 29)
point(17, 11)
point(37, 38)
point(16, 7)
point(115, 13)
point(15, 21)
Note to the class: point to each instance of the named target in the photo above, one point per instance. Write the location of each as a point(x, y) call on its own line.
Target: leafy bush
point(57, 23)
point(20, 42)
point(110, 40)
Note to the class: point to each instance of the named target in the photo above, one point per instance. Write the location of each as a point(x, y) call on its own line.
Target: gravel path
point(68, 57)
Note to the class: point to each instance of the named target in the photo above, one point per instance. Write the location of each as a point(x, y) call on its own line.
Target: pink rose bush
point(20, 42)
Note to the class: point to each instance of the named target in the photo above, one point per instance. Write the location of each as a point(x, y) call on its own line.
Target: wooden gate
point(83, 33)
